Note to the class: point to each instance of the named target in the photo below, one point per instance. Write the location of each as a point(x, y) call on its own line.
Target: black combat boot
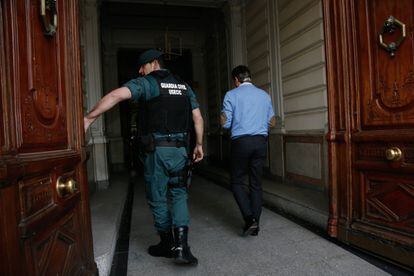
point(164, 247)
point(182, 253)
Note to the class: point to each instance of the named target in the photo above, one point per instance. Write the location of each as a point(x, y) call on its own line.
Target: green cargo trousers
point(168, 205)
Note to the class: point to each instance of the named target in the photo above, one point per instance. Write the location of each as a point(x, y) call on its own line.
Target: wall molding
point(305, 139)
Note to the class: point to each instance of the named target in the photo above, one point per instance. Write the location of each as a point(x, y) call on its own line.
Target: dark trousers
point(248, 154)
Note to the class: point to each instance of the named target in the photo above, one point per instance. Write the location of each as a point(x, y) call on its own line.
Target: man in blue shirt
point(248, 112)
point(169, 104)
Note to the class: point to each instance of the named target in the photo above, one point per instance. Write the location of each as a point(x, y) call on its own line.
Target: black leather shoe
point(255, 232)
point(250, 227)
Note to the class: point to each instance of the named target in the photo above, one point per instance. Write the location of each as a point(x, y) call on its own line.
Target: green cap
point(148, 56)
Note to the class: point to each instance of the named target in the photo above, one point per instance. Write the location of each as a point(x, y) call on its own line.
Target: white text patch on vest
point(173, 85)
point(174, 92)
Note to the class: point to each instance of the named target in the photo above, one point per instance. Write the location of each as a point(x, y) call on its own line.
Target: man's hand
point(223, 119)
point(87, 122)
point(198, 153)
point(272, 122)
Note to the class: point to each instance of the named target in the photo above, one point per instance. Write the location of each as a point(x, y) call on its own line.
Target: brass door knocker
point(49, 16)
point(390, 26)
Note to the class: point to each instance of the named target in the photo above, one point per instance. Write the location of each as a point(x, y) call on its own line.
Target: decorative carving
point(41, 252)
point(366, 152)
point(43, 104)
point(394, 101)
point(381, 205)
point(409, 79)
point(29, 122)
point(46, 105)
point(58, 247)
point(44, 120)
point(395, 95)
point(403, 208)
point(36, 195)
point(374, 211)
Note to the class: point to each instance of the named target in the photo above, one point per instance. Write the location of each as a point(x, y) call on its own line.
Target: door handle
point(393, 154)
point(390, 26)
point(65, 187)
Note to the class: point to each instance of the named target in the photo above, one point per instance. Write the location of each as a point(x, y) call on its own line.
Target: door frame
point(339, 62)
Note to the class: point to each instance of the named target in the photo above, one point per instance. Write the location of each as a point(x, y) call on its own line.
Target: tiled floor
point(282, 247)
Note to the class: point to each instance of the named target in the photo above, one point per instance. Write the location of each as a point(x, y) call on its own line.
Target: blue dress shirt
point(248, 110)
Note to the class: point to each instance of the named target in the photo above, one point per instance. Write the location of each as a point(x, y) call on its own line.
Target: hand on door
point(87, 122)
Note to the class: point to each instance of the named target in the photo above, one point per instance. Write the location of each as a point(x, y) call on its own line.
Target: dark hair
point(242, 73)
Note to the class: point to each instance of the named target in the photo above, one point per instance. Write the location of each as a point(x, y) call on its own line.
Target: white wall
point(262, 51)
point(302, 60)
point(285, 53)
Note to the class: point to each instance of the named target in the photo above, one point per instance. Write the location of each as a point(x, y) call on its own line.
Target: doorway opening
point(129, 28)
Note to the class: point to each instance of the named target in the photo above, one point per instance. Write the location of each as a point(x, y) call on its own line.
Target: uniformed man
point(168, 108)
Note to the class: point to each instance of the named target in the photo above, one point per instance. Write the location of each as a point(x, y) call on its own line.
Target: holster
point(189, 176)
point(184, 175)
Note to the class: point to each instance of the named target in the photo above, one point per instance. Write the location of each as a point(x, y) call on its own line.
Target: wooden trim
point(79, 138)
point(382, 249)
point(8, 73)
point(3, 76)
point(337, 32)
point(311, 139)
point(404, 135)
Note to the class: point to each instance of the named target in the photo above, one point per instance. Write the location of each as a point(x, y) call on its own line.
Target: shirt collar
point(245, 83)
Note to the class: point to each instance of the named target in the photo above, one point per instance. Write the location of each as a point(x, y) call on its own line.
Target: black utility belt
point(147, 143)
point(169, 143)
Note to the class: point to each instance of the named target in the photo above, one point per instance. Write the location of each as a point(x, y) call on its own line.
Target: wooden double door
point(370, 69)
point(44, 201)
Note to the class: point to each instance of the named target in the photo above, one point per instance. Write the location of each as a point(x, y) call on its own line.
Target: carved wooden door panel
point(372, 129)
point(44, 201)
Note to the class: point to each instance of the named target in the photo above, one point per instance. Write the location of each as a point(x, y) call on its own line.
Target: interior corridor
point(282, 247)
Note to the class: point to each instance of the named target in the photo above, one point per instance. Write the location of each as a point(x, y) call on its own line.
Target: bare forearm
point(199, 130)
point(103, 105)
point(106, 103)
point(198, 125)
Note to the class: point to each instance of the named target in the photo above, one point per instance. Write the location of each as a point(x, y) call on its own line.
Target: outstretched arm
point(106, 103)
point(198, 153)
